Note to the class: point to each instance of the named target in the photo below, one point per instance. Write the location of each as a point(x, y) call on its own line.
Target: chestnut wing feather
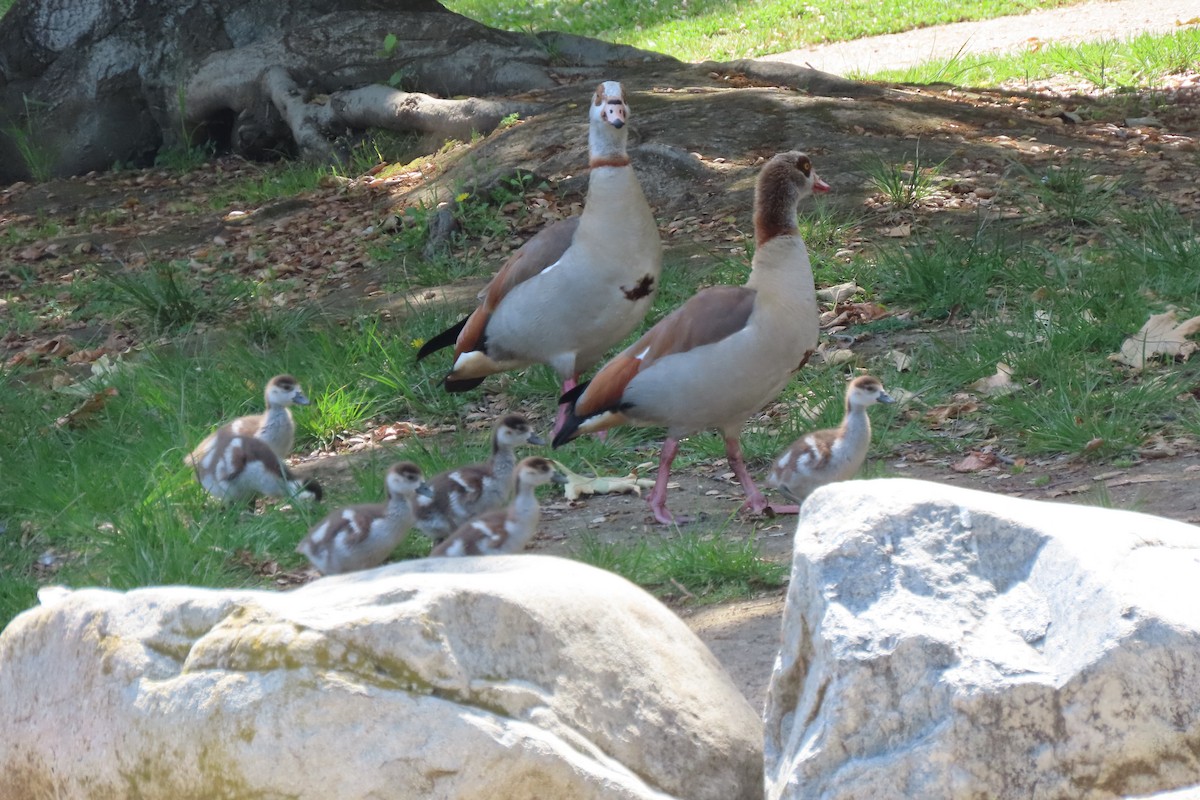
point(540, 252)
point(709, 316)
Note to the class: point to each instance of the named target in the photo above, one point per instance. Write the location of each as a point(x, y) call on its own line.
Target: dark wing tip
point(465, 385)
point(443, 339)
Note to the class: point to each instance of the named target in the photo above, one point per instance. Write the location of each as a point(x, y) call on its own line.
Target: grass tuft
point(709, 567)
point(903, 185)
point(165, 297)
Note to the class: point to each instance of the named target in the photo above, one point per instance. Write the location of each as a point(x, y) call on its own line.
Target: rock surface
point(505, 677)
point(948, 643)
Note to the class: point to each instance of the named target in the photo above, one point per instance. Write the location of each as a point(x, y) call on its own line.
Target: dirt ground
point(316, 247)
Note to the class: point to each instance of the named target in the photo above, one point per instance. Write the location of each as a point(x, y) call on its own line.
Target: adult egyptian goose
point(464, 492)
point(724, 353)
point(237, 467)
point(579, 286)
point(832, 454)
point(275, 427)
point(363, 536)
point(505, 530)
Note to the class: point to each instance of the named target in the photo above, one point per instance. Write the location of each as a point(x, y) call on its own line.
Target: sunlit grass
point(705, 568)
point(701, 30)
point(1141, 61)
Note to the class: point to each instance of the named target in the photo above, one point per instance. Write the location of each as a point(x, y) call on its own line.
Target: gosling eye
point(804, 165)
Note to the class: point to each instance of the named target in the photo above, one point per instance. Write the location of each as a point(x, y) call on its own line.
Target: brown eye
point(804, 165)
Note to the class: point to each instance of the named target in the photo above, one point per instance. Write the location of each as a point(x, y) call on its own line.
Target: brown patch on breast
point(804, 360)
point(643, 288)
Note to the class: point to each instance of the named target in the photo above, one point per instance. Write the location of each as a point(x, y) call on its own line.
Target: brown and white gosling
point(238, 467)
point(832, 454)
point(507, 530)
point(363, 536)
point(275, 426)
point(468, 491)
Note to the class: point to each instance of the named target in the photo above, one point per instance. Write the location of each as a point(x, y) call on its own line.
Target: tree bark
point(85, 84)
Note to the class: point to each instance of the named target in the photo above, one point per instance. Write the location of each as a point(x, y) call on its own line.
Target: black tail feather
point(464, 385)
point(443, 339)
point(572, 394)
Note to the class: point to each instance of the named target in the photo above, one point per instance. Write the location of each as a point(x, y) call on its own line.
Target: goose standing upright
point(458, 494)
point(576, 288)
point(238, 467)
point(275, 427)
point(363, 536)
point(723, 354)
point(832, 454)
point(505, 530)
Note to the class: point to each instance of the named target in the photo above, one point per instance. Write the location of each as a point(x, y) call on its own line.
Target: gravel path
point(1118, 19)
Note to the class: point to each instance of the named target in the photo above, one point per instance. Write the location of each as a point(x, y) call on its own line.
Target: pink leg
point(756, 503)
point(658, 495)
point(561, 418)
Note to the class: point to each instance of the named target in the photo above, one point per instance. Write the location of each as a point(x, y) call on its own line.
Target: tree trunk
point(86, 84)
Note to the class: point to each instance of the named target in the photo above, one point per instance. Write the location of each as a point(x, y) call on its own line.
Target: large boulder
point(504, 677)
point(948, 643)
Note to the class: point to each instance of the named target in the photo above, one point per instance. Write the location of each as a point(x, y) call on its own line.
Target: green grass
point(709, 567)
point(1140, 61)
point(903, 184)
point(711, 29)
point(165, 297)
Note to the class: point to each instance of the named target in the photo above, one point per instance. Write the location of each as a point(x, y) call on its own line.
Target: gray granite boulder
point(502, 677)
point(947, 643)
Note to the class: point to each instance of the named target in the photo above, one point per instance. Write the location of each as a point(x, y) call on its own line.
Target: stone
point(941, 642)
point(501, 677)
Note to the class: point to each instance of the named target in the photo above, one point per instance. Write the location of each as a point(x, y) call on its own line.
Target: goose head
point(513, 430)
point(786, 179)
point(606, 132)
point(538, 471)
point(405, 480)
point(608, 104)
point(284, 390)
point(865, 391)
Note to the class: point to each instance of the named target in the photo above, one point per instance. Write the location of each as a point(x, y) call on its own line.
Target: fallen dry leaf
point(975, 461)
point(86, 412)
point(838, 293)
point(833, 355)
point(902, 361)
point(1161, 335)
point(938, 415)
point(998, 384)
point(54, 347)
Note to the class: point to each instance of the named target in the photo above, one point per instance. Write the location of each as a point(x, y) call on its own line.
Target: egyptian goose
point(724, 353)
point(505, 530)
point(832, 454)
point(363, 536)
point(275, 427)
point(579, 286)
point(237, 467)
point(459, 494)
